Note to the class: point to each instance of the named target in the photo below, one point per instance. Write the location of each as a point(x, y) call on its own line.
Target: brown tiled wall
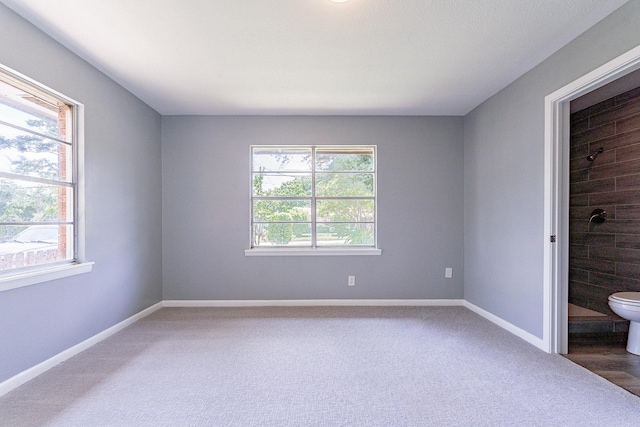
point(605, 258)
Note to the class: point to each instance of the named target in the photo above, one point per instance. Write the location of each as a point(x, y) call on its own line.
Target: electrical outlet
point(351, 281)
point(448, 273)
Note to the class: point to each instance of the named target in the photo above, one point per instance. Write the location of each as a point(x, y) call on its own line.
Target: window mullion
point(29, 178)
point(36, 133)
point(314, 237)
point(18, 223)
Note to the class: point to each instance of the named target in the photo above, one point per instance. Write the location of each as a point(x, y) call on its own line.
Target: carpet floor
point(320, 366)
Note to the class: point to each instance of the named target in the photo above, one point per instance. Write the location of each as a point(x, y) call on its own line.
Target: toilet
point(627, 306)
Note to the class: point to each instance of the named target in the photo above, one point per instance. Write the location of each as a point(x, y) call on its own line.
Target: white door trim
point(556, 194)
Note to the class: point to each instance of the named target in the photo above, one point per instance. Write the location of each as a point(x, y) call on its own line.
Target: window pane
point(275, 159)
point(344, 234)
point(282, 185)
point(330, 202)
point(32, 155)
point(282, 210)
point(282, 234)
point(34, 202)
point(344, 184)
point(36, 144)
point(24, 246)
point(47, 116)
point(345, 159)
point(344, 210)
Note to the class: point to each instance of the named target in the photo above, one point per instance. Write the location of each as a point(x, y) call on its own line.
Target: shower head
point(591, 157)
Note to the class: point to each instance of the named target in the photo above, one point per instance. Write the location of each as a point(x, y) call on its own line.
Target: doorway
point(604, 209)
point(557, 172)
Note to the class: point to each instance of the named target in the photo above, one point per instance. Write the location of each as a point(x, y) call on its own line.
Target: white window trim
point(311, 251)
point(48, 273)
point(33, 277)
point(326, 250)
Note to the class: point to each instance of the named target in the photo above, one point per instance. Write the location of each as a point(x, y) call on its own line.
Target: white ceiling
point(314, 57)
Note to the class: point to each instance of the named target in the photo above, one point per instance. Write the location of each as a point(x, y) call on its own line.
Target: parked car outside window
point(31, 245)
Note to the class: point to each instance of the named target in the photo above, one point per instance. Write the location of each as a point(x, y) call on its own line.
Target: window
point(38, 177)
point(313, 197)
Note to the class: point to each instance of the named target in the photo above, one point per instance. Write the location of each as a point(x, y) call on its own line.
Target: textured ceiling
point(386, 57)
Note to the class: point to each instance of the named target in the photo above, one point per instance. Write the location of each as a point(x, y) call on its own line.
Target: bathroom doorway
point(604, 209)
point(558, 170)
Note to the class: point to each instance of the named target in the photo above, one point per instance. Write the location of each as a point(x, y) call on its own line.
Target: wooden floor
point(607, 358)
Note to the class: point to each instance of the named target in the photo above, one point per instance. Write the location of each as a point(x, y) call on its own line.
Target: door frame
point(556, 194)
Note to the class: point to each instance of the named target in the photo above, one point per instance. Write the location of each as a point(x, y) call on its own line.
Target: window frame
point(314, 249)
point(76, 264)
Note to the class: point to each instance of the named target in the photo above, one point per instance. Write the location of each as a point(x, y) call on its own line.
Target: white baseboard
point(315, 303)
point(31, 373)
point(521, 333)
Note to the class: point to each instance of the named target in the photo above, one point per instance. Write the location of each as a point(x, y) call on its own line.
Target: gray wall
point(504, 165)
point(123, 209)
point(206, 189)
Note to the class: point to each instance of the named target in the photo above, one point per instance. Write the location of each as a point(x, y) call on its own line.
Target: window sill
point(312, 251)
point(38, 276)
